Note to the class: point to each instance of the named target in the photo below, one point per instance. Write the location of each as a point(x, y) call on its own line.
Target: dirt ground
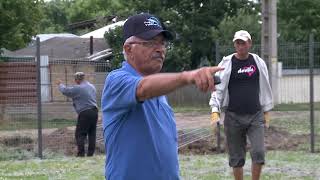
point(275, 138)
point(194, 133)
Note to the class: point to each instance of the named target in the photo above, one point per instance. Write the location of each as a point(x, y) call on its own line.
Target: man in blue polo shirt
point(139, 128)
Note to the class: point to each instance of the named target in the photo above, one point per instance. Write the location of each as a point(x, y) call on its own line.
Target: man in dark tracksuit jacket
point(84, 99)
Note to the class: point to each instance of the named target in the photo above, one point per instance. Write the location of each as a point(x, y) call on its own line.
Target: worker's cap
point(242, 35)
point(144, 26)
point(79, 76)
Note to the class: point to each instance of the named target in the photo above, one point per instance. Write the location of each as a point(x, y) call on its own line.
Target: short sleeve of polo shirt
point(120, 90)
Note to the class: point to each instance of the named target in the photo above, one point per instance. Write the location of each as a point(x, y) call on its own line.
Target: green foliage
point(297, 19)
point(59, 13)
point(81, 10)
point(197, 24)
point(114, 39)
point(242, 20)
point(55, 16)
point(178, 58)
point(192, 22)
point(19, 22)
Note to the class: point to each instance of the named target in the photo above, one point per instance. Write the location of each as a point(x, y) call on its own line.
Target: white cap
point(242, 35)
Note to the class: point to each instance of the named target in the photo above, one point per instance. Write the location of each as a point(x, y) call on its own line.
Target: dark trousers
point(86, 126)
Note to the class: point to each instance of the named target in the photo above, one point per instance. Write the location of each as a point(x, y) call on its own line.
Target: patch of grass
point(58, 168)
point(17, 153)
point(33, 124)
point(184, 109)
point(59, 123)
point(307, 147)
point(8, 153)
point(279, 107)
point(280, 165)
point(296, 107)
point(298, 123)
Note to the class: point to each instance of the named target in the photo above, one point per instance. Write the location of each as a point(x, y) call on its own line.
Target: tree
point(230, 24)
point(297, 19)
point(192, 22)
point(242, 20)
point(19, 22)
point(55, 16)
point(59, 13)
point(81, 10)
point(114, 38)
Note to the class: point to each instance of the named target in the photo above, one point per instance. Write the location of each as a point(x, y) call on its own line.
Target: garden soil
point(203, 140)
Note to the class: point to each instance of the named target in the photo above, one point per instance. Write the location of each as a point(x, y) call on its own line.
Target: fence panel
point(18, 106)
point(292, 118)
point(18, 101)
point(58, 112)
point(316, 91)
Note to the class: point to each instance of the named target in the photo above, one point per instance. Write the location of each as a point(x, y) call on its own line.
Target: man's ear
point(127, 48)
point(250, 44)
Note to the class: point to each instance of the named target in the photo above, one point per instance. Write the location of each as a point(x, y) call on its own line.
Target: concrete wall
point(65, 73)
point(100, 78)
point(293, 89)
point(296, 88)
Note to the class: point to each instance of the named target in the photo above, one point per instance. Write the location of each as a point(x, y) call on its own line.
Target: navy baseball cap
point(144, 26)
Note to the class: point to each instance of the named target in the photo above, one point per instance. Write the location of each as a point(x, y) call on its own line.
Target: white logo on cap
point(152, 21)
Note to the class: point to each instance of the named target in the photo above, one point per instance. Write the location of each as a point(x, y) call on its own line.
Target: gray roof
point(4, 51)
point(44, 37)
point(63, 47)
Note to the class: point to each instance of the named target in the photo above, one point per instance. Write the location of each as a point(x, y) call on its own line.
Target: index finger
point(214, 69)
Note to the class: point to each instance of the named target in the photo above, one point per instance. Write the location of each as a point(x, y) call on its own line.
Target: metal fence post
point(218, 124)
point(91, 45)
point(39, 100)
point(218, 137)
point(217, 53)
point(311, 64)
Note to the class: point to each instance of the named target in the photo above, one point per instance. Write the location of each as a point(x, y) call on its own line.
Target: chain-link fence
point(293, 124)
point(19, 109)
point(57, 108)
point(291, 55)
point(19, 104)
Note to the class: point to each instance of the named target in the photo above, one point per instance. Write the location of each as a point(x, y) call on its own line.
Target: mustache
point(158, 55)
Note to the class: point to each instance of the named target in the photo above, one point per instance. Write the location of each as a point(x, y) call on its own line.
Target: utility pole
point(269, 44)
